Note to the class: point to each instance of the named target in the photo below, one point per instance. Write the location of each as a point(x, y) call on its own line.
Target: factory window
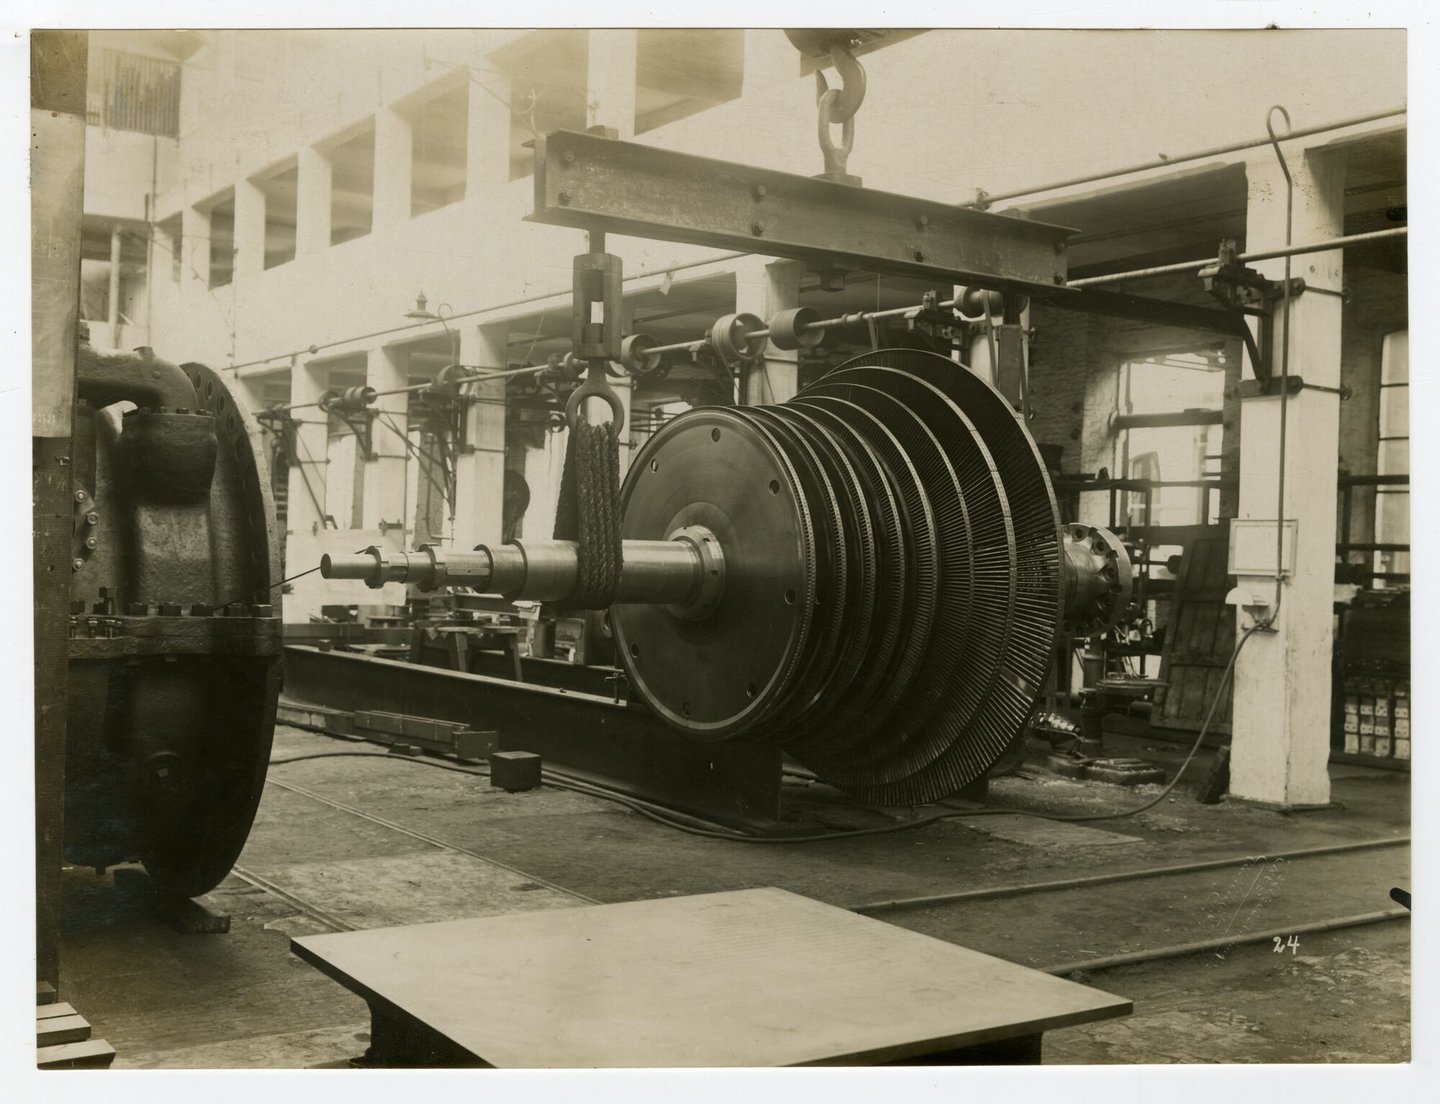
point(549, 74)
point(135, 92)
point(280, 198)
point(112, 279)
point(222, 241)
point(1392, 503)
point(681, 71)
point(352, 187)
point(1168, 433)
point(438, 130)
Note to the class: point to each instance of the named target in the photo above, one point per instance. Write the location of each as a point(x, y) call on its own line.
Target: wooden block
point(90, 1054)
point(473, 745)
point(515, 770)
point(50, 1011)
point(191, 917)
point(377, 721)
point(61, 1029)
point(315, 716)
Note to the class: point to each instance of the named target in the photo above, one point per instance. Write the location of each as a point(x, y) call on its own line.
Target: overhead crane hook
point(851, 93)
point(836, 106)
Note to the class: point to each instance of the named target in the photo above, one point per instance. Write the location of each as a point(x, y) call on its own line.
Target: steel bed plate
point(624, 748)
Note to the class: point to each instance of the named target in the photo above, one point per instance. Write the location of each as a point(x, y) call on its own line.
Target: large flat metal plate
point(756, 977)
point(589, 182)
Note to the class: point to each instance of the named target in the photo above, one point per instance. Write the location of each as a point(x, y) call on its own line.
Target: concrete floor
point(435, 845)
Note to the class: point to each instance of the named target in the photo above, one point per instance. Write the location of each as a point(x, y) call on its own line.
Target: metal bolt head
point(569, 156)
point(1059, 248)
point(563, 199)
point(92, 542)
point(92, 518)
point(761, 191)
point(922, 221)
point(919, 254)
point(81, 496)
point(76, 564)
point(757, 228)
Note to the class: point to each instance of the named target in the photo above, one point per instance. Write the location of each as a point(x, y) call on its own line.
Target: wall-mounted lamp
point(421, 313)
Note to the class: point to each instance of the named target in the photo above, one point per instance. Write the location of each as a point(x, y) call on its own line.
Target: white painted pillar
point(625, 391)
point(392, 168)
point(480, 465)
point(305, 495)
point(487, 145)
point(612, 79)
point(384, 499)
point(764, 287)
point(977, 356)
point(112, 307)
point(1281, 729)
point(194, 248)
point(312, 202)
point(249, 229)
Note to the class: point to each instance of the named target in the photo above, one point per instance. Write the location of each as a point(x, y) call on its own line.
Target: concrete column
point(480, 466)
point(194, 247)
point(764, 288)
point(392, 168)
point(312, 202)
point(384, 500)
point(249, 229)
point(305, 496)
point(112, 306)
point(612, 79)
point(487, 147)
point(625, 389)
point(1281, 729)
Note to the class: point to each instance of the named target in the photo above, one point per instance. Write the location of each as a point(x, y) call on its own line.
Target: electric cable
point(414, 451)
point(1284, 365)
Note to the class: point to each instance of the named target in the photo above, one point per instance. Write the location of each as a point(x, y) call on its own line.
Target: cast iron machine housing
point(174, 640)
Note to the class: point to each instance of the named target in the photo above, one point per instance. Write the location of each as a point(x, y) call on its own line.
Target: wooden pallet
point(62, 1037)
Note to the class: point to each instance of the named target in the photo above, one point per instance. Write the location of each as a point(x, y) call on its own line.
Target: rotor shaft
point(686, 571)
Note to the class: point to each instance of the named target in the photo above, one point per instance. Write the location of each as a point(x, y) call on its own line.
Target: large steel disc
point(172, 707)
point(193, 848)
point(725, 673)
point(909, 506)
point(909, 740)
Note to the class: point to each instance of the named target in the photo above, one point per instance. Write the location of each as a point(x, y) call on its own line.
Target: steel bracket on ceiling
point(1244, 291)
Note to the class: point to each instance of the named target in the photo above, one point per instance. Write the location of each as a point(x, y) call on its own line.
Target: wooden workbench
point(757, 977)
